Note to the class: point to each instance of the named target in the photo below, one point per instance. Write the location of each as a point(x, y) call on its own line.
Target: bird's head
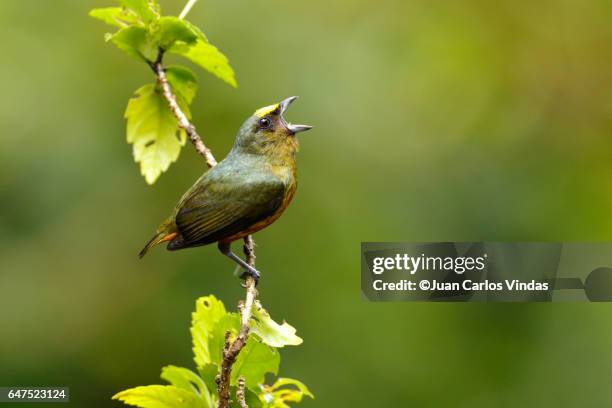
point(267, 132)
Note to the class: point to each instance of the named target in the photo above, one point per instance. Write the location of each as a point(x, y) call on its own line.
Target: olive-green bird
point(245, 192)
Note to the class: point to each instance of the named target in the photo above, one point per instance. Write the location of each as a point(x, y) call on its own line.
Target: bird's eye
point(265, 123)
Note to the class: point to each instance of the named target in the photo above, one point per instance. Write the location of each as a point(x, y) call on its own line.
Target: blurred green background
point(435, 120)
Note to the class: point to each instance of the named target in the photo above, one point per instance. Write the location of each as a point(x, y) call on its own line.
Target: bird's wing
point(226, 207)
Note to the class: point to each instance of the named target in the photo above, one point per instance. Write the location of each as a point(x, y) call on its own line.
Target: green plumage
point(228, 199)
point(245, 192)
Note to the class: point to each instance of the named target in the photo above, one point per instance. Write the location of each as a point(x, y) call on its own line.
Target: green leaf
point(115, 16)
point(136, 41)
point(168, 30)
point(208, 374)
point(277, 397)
point(160, 396)
point(208, 57)
point(188, 380)
point(196, 30)
point(270, 332)
point(209, 311)
point(210, 321)
point(183, 378)
point(147, 10)
point(251, 398)
point(153, 131)
point(254, 361)
point(183, 82)
point(230, 322)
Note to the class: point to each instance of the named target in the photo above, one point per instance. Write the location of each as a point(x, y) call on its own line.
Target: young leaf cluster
point(145, 34)
point(210, 322)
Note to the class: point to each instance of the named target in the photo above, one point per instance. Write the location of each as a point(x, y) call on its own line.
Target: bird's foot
point(254, 273)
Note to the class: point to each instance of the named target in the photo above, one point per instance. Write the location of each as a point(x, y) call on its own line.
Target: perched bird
point(245, 192)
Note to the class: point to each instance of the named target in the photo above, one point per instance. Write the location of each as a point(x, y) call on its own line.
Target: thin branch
point(249, 250)
point(240, 393)
point(230, 349)
point(183, 122)
point(187, 8)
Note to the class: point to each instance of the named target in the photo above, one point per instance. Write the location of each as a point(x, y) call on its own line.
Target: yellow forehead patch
point(266, 110)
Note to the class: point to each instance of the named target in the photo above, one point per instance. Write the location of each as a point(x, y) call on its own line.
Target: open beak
point(292, 128)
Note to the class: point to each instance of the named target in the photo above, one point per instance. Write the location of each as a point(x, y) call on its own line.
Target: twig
point(240, 393)
point(183, 122)
point(230, 349)
point(188, 7)
point(249, 250)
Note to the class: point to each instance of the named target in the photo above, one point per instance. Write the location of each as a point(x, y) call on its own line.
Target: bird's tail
point(163, 235)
